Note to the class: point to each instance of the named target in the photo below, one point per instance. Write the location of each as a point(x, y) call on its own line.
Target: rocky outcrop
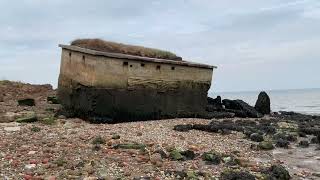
point(263, 103)
point(241, 108)
point(214, 104)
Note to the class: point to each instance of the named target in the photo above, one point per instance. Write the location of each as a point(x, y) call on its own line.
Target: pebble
point(30, 166)
point(32, 152)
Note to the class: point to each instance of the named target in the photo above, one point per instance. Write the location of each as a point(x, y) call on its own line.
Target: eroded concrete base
point(119, 105)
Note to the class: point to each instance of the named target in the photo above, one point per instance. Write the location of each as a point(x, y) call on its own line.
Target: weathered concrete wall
point(126, 89)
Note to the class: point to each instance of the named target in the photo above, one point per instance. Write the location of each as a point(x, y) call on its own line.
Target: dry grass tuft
point(113, 47)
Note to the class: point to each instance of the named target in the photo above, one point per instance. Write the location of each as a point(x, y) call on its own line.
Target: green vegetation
point(212, 157)
point(113, 47)
point(48, 120)
point(60, 161)
point(27, 119)
point(53, 99)
point(98, 140)
point(35, 129)
point(266, 145)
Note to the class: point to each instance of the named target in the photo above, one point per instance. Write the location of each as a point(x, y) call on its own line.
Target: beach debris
point(263, 103)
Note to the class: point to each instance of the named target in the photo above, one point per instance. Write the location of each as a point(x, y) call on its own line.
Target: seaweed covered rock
point(265, 145)
point(27, 119)
point(212, 157)
point(53, 99)
point(26, 102)
point(278, 172)
point(263, 103)
point(178, 155)
point(236, 175)
point(241, 108)
point(285, 136)
point(256, 137)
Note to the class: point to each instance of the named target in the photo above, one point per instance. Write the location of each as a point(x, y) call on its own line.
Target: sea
point(306, 101)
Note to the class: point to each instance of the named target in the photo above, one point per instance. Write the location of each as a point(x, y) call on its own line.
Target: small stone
point(30, 166)
point(139, 134)
point(156, 159)
point(115, 136)
point(32, 152)
point(256, 137)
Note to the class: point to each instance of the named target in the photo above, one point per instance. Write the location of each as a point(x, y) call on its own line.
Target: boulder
point(26, 102)
point(215, 103)
point(239, 105)
point(263, 103)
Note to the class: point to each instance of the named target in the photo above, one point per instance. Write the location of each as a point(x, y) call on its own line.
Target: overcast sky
point(256, 44)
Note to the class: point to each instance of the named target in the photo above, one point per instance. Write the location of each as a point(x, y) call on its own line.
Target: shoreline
point(59, 147)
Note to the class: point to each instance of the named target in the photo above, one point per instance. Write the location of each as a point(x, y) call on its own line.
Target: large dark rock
point(263, 103)
point(242, 108)
point(215, 104)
